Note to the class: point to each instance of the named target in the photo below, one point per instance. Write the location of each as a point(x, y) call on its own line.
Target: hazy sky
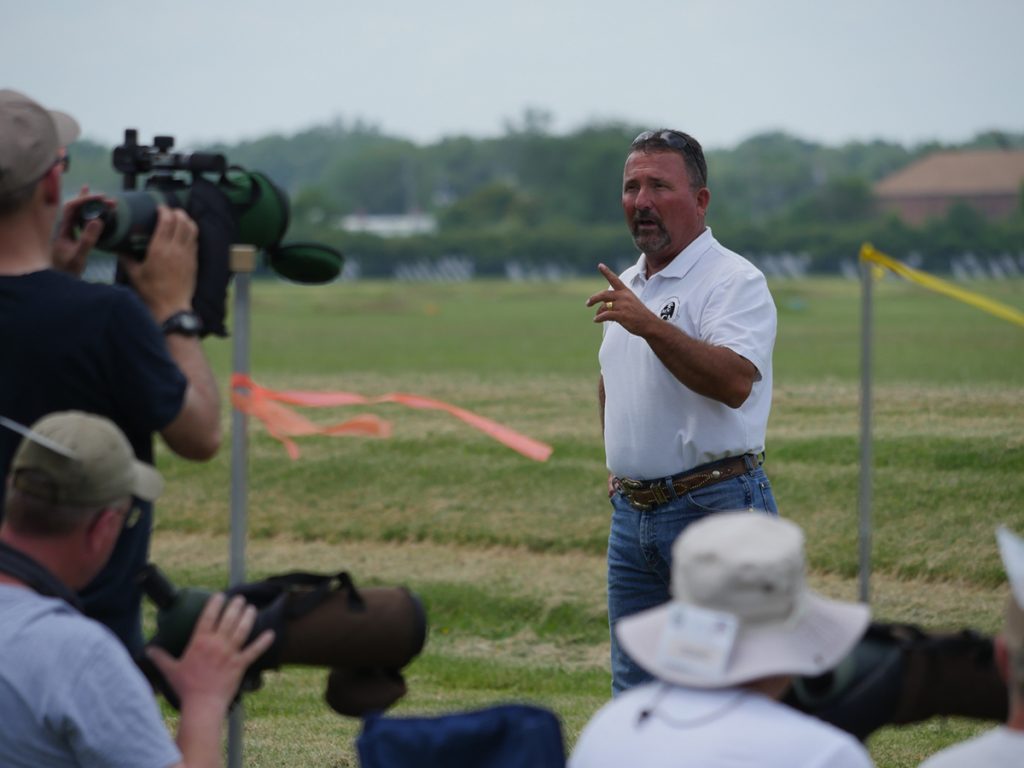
point(826, 70)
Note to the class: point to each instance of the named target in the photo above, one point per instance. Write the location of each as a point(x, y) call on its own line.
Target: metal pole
point(243, 262)
point(866, 310)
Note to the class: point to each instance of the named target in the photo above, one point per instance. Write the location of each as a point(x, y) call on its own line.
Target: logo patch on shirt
point(669, 309)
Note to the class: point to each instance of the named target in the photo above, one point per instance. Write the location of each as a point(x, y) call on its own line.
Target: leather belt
point(644, 495)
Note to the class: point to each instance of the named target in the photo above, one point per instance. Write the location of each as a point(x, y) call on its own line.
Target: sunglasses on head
point(672, 140)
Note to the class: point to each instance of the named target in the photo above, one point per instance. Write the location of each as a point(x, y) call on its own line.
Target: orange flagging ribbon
point(283, 423)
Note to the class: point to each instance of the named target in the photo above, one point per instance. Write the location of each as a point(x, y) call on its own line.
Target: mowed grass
point(507, 553)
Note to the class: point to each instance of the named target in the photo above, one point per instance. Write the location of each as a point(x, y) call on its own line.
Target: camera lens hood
point(308, 263)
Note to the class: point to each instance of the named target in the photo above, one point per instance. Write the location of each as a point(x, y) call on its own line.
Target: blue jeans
point(640, 552)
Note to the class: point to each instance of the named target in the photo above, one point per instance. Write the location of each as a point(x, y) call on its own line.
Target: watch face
point(185, 323)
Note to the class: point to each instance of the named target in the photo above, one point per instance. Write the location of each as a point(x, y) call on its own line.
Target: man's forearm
point(199, 734)
point(714, 372)
point(195, 432)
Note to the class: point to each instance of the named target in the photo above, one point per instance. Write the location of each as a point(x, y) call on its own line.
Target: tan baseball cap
point(81, 460)
point(30, 137)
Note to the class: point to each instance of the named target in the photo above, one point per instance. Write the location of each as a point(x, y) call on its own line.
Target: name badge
point(697, 640)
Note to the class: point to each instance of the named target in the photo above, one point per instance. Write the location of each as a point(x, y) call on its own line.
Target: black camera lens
point(93, 209)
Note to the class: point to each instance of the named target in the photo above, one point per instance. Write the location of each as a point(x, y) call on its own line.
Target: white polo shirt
point(654, 426)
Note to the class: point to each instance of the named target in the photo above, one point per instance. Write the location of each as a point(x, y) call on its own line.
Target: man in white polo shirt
point(686, 377)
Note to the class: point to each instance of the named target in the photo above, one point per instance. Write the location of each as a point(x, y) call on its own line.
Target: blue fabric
point(504, 736)
point(640, 552)
point(72, 697)
point(73, 345)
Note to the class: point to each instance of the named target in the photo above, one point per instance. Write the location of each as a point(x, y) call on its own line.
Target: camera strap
point(25, 569)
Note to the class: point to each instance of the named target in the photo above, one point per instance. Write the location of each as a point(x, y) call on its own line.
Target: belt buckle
point(630, 484)
point(639, 506)
point(628, 487)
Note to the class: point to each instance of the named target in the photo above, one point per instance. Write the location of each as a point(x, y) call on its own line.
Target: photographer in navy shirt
point(130, 354)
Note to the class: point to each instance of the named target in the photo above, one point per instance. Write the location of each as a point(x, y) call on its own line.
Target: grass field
point(508, 553)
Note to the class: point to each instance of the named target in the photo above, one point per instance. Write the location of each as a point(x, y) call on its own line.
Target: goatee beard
point(651, 241)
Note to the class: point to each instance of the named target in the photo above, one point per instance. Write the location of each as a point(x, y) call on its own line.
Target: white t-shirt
point(998, 748)
point(690, 728)
point(654, 426)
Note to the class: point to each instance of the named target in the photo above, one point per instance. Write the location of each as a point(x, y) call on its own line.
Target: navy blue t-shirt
point(66, 344)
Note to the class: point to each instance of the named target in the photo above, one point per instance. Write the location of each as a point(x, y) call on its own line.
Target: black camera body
point(245, 207)
point(229, 204)
point(129, 223)
point(131, 159)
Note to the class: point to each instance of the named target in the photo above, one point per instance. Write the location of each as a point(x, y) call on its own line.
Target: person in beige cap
point(71, 344)
point(1002, 747)
point(740, 624)
point(72, 696)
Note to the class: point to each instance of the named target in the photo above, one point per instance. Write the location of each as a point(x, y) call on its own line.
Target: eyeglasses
point(133, 515)
point(678, 142)
point(130, 515)
point(63, 160)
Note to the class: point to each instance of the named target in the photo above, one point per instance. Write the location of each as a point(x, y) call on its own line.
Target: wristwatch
point(186, 322)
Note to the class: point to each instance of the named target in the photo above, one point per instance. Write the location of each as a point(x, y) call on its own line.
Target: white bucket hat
point(1011, 549)
point(740, 609)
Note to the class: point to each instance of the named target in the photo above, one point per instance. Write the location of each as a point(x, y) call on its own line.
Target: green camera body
point(246, 206)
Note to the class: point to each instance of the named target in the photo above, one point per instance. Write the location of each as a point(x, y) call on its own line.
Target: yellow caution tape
point(879, 259)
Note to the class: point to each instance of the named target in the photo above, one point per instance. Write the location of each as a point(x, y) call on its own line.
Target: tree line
point(532, 197)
